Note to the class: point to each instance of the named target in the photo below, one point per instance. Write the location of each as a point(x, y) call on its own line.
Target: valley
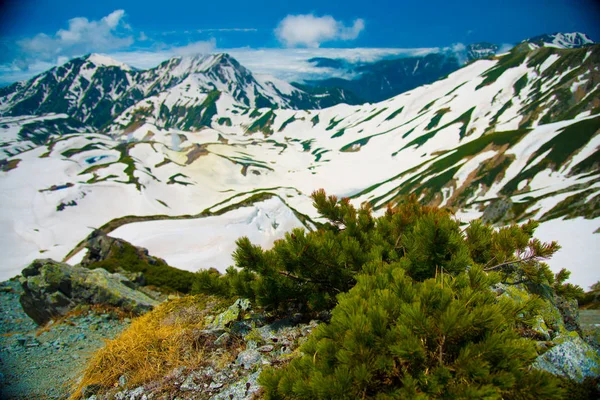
point(216, 153)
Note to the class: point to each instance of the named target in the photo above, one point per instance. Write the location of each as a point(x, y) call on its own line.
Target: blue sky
point(268, 36)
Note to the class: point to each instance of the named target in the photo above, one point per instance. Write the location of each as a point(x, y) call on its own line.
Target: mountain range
point(184, 158)
point(96, 89)
point(377, 81)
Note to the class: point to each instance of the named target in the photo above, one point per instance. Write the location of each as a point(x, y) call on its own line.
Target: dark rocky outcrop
point(119, 256)
point(52, 289)
point(101, 247)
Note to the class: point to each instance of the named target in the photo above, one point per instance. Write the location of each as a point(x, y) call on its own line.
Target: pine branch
point(307, 280)
point(507, 263)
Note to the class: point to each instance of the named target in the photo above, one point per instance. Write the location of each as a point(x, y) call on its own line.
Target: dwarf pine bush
point(391, 337)
point(308, 270)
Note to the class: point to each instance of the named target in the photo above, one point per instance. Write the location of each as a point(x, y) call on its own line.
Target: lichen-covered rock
point(241, 390)
point(571, 358)
point(230, 315)
point(497, 211)
point(248, 358)
point(53, 288)
point(569, 311)
point(549, 323)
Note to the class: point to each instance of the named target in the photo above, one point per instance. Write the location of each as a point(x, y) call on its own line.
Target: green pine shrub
point(391, 337)
point(306, 271)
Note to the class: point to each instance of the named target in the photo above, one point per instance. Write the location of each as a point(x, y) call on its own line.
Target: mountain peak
point(562, 40)
point(101, 60)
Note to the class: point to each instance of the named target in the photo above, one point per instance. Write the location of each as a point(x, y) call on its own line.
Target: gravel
point(45, 362)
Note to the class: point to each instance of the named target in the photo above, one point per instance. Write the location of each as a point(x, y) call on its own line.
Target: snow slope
point(523, 126)
point(210, 242)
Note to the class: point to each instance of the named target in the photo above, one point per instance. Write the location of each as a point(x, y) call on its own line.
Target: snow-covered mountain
point(559, 40)
point(476, 51)
point(96, 89)
point(380, 80)
point(383, 79)
point(508, 138)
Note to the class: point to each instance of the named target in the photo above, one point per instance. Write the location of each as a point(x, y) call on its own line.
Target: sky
point(275, 37)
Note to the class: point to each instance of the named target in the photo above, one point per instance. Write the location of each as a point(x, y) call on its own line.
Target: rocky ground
point(42, 363)
point(241, 344)
point(45, 362)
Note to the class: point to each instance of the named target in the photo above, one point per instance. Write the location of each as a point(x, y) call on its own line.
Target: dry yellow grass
point(152, 346)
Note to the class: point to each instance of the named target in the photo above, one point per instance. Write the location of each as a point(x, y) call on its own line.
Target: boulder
point(100, 247)
point(232, 314)
point(52, 289)
point(571, 358)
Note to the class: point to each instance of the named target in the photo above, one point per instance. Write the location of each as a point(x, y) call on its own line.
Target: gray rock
point(571, 358)
point(243, 389)
point(266, 348)
point(497, 211)
point(52, 289)
point(189, 384)
point(569, 312)
point(230, 315)
point(248, 358)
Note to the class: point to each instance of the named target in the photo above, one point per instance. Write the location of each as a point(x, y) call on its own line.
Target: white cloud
point(292, 64)
point(505, 48)
point(310, 31)
point(201, 47)
point(287, 64)
point(81, 36)
point(458, 47)
point(144, 59)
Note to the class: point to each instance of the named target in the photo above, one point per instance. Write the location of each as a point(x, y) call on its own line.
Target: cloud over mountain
point(82, 36)
point(309, 30)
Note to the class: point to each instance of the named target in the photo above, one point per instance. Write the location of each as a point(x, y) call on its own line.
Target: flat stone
point(266, 348)
point(248, 358)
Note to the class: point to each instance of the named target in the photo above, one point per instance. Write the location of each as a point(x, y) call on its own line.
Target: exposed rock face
point(53, 288)
point(100, 245)
point(572, 358)
point(497, 211)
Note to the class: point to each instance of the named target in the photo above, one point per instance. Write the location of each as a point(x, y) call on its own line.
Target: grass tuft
point(153, 345)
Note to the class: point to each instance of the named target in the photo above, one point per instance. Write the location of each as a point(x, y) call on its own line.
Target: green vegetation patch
point(373, 115)
point(173, 179)
point(126, 159)
point(464, 119)
point(156, 271)
point(502, 110)
point(264, 124)
point(444, 163)
point(287, 122)
point(520, 84)
point(436, 118)
point(428, 106)
point(394, 114)
point(7, 165)
point(200, 116)
point(90, 146)
point(516, 57)
point(255, 113)
point(338, 133)
point(315, 120)
point(224, 121)
point(333, 123)
point(562, 148)
point(456, 88)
